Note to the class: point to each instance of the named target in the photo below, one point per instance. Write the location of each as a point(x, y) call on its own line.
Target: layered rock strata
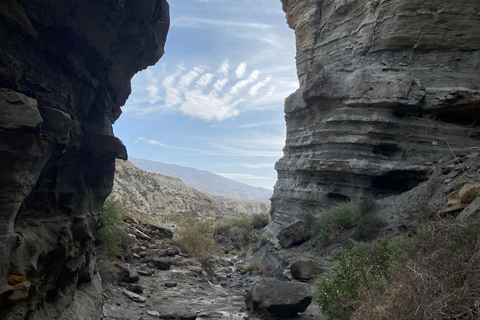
point(65, 70)
point(387, 89)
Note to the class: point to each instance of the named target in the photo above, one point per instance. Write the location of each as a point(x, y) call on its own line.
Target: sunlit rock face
point(65, 70)
point(387, 89)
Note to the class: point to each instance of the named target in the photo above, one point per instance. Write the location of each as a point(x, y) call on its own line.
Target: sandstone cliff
point(166, 198)
point(388, 89)
point(65, 70)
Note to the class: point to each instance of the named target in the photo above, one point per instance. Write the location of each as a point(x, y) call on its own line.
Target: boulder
point(304, 269)
point(279, 298)
point(127, 274)
point(163, 233)
point(162, 263)
point(294, 234)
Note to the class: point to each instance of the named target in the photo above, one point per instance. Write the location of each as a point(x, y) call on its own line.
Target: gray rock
point(304, 269)
point(283, 299)
point(188, 316)
point(135, 288)
point(162, 263)
point(363, 89)
point(63, 82)
point(163, 233)
point(135, 297)
point(127, 274)
point(153, 313)
point(294, 234)
point(170, 284)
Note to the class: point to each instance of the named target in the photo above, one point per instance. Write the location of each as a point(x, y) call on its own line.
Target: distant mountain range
point(167, 198)
point(204, 181)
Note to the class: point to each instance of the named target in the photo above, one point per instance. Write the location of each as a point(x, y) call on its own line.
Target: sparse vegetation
point(196, 234)
point(430, 275)
point(112, 235)
point(253, 266)
point(342, 217)
point(239, 230)
point(260, 220)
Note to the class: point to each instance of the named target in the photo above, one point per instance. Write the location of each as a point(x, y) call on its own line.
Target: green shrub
point(260, 220)
point(342, 217)
point(238, 229)
point(112, 234)
point(196, 234)
point(357, 271)
point(432, 274)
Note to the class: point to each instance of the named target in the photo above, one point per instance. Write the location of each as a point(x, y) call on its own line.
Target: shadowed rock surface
point(283, 299)
point(387, 89)
point(65, 70)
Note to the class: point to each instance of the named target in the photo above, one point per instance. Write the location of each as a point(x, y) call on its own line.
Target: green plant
point(260, 220)
point(357, 271)
point(111, 235)
point(238, 229)
point(342, 217)
point(196, 234)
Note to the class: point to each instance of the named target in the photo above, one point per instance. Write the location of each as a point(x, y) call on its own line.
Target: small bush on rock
point(342, 217)
point(260, 220)
point(112, 234)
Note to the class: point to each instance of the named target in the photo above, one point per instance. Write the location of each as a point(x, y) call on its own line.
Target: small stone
point(188, 316)
point(153, 313)
point(168, 316)
point(135, 297)
point(170, 284)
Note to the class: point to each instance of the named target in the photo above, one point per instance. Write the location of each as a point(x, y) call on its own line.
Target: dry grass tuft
point(438, 277)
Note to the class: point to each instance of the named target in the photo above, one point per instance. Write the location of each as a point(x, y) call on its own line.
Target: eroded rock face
point(65, 70)
point(387, 88)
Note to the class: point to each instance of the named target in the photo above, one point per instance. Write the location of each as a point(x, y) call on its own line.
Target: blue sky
point(215, 99)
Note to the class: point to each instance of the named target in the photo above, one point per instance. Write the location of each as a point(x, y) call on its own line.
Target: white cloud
point(254, 90)
point(224, 67)
point(242, 84)
point(239, 176)
point(205, 80)
point(257, 165)
point(207, 107)
point(241, 69)
point(220, 84)
point(155, 143)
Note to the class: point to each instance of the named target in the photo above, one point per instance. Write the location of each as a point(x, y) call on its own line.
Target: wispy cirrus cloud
point(257, 165)
point(257, 145)
point(203, 93)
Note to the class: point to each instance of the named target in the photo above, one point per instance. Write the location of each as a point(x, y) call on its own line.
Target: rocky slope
point(387, 90)
point(160, 195)
point(65, 70)
point(205, 181)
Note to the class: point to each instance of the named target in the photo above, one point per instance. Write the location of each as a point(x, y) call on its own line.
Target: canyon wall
point(388, 88)
point(65, 70)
